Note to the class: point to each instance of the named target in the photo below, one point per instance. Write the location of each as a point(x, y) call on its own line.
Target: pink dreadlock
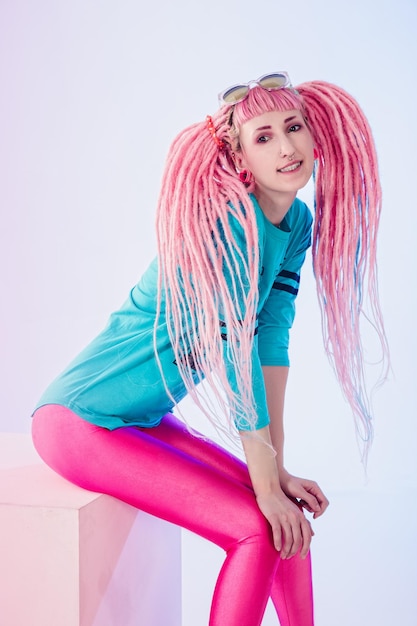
point(201, 189)
point(199, 193)
point(347, 212)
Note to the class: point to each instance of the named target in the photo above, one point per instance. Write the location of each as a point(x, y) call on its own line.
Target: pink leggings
point(193, 483)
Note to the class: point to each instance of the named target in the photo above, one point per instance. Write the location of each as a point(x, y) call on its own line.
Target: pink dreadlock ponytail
point(347, 211)
point(200, 191)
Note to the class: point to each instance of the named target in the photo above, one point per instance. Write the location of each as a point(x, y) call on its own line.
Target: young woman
point(211, 317)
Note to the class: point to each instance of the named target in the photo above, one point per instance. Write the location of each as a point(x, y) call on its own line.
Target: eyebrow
point(288, 119)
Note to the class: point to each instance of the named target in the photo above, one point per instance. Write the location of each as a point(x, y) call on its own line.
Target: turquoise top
point(115, 381)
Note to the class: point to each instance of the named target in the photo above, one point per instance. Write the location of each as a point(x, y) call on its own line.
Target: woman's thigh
point(151, 474)
point(175, 433)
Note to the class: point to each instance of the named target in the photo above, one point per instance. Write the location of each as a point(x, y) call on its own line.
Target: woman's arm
point(291, 530)
point(307, 492)
point(275, 377)
point(280, 496)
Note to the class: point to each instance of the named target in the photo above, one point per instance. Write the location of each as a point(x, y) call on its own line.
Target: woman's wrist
point(261, 461)
point(265, 489)
point(283, 476)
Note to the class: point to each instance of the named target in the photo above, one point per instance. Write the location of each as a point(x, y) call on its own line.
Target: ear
point(239, 160)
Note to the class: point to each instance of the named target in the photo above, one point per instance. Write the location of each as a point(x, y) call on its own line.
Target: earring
point(246, 178)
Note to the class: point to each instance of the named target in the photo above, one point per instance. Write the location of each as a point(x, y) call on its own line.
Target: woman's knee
point(258, 533)
point(256, 552)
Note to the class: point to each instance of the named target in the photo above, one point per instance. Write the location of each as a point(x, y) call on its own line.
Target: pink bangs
point(261, 101)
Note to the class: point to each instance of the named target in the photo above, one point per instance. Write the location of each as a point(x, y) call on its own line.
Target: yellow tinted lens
point(235, 94)
point(273, 81)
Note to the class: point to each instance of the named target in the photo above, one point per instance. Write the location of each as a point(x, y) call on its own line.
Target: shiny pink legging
point(191, 482)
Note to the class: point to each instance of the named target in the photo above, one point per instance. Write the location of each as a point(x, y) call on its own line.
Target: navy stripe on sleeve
point(284, 286)
point(291, 275)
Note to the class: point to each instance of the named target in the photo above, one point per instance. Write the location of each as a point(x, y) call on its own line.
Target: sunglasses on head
point(270, 82)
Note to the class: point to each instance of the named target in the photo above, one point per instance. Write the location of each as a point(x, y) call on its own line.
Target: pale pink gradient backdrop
point(91, 95)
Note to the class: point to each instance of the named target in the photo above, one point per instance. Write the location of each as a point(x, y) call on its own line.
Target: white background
point(92, 93)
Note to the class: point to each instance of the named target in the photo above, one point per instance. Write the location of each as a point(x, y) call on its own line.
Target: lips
point(291, 167)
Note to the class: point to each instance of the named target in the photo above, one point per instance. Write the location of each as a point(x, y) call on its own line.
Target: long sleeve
point(282, 253)
point(277, 313)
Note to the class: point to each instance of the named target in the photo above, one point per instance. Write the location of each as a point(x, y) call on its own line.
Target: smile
point(291, 168)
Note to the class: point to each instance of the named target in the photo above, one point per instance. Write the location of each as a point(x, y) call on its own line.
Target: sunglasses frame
point(257, 82)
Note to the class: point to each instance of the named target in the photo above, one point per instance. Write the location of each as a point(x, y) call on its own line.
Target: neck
point(274, 205)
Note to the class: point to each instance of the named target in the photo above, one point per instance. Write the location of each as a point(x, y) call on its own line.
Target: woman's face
point(277, 147)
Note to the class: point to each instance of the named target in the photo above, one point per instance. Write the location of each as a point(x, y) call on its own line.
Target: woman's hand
point(307, 493)
point(291, 531)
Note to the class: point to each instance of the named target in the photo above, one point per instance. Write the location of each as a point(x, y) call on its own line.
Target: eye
point(294, 128)
point(262, 139)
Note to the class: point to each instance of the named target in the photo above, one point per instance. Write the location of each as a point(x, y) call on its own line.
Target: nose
point(285, 147)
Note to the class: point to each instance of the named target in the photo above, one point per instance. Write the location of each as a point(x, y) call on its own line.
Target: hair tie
point(219, 142)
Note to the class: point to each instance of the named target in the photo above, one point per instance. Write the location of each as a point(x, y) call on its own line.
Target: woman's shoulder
point(299, 212)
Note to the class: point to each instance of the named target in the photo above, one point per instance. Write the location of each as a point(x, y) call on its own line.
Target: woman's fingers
point(315, 500)
point(292, 535)
point(277, 533)
point(308, 494)
point(307, 534)
point(291, 530)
